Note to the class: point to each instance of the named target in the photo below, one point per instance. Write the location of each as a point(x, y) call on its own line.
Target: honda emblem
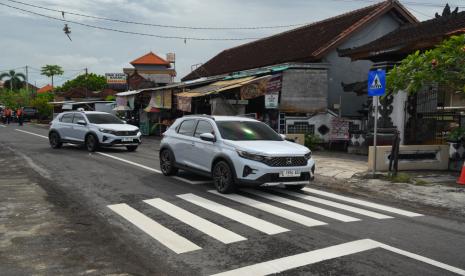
point(289, 161)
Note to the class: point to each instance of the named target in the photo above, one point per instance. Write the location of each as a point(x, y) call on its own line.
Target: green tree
point(15, 99)
point(15, 79)
point(51, 71)
point(444, 64)
point(92, 82)
point(41, 103)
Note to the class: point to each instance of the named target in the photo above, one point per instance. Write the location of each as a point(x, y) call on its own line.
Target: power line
point(160, 25)
point(129, 32)
point(408, 3)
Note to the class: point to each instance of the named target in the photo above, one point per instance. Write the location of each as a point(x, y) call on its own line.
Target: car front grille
point(125, 133)
point(292, 161)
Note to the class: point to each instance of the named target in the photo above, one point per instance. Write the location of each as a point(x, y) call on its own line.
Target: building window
point(301, 127)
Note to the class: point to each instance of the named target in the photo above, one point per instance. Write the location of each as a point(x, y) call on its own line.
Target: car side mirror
point(81, 122)
point(207, 137)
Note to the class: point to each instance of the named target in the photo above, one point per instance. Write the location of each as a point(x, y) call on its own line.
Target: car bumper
point(255, 173)
point(120, 141)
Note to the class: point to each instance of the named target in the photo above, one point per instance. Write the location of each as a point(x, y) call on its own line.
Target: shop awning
point(129, 93)
point(216, 87)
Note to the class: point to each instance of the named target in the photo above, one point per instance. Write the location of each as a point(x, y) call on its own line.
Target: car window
point(247, 131)
point(203, 127)
point(103, 118)
point(67, 118)
point(186, 127)
point(78, 117)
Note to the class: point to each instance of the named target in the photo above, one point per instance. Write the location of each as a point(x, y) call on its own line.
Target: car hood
point(269, 148)
point(119, 127)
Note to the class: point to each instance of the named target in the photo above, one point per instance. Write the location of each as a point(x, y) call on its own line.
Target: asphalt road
point(178, 226)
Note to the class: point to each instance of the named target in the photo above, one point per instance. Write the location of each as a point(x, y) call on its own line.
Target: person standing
point(8, 115)
point(19, 116)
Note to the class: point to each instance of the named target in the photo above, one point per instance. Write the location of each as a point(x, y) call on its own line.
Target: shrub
point(312, 141)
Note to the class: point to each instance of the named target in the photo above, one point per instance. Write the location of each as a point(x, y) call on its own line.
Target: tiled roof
point(150, 59)
point(305, 44)
point(45, 89)
point(419, 36)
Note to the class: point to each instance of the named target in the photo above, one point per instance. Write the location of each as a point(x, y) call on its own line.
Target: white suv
point(234, 150)
point(93, 129)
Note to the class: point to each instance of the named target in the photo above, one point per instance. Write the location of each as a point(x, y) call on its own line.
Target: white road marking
point(272, 209)
point(130, 162)
point(337, 205)
point(422, 259)
point(2, 126)
point(319, 255)
point(303, 206)
point(32, 133)
point(157, 231)
point(246, 219)
point(213, 230)
point(307, 258)
point(364, 203)
point(190, 181)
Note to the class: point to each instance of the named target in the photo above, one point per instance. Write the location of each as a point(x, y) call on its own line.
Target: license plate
point(289, 173)
point(127, 139)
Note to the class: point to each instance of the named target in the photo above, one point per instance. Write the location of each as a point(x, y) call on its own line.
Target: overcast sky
point(27, 39)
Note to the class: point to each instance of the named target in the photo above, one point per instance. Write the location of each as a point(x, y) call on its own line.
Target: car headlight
point(104, 130)
point(251, 156)
point(308, 155)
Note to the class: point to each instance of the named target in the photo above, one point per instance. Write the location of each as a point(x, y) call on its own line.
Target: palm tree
point(15, 79)
point(51, 70)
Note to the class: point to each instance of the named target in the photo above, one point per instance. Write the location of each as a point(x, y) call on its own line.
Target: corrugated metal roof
point(216, 87)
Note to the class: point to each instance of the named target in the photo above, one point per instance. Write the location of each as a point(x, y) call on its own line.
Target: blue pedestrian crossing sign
point(376, 83)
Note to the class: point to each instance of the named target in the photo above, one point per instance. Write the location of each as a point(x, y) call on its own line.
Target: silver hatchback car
point(93, 129)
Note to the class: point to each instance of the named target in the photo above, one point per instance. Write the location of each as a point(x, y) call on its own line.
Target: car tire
point(91, 143)
point(295, 187)
point(223, 178)
point(131, 148)
point(55, 140)
point(167, 163)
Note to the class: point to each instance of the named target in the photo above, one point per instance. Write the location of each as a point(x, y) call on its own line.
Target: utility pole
point(27, 80)
point(87, 88)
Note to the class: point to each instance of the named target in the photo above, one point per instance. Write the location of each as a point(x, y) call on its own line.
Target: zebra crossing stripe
point(303, 259)
point(201, 224)
point(157, 231)
point(243, 218)
point(300, 219)
point(364, 203)
point(303, 206)
point(337, 205)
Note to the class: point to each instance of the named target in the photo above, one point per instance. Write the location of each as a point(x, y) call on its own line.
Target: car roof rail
point(200, 115)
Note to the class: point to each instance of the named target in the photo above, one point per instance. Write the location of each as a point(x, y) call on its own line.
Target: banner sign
point(116, 80)
point(273, 87)
point(339, 129)
point(254, 89)
point(376, 83)
point(184, 104)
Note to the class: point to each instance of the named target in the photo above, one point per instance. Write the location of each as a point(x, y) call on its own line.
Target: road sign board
point(377, 83)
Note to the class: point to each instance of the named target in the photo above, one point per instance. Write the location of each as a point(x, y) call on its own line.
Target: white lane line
point(422, 259)
point(213, 230)
point(129, 162)
point(364, 203)
point(157, 231)
point(246, 219)
point(337, 205)
point(336, 251)
point(303, 206)
point(32, 133)
point(307, 258)
point(190, 181)
point(2, 126)
point(271, 209)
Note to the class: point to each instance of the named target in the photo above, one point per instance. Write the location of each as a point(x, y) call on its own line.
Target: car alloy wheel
point(223, 178)
point(54, 139)
point(167, 163)
point(91, 143)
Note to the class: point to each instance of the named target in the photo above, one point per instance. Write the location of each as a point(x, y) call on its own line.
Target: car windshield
point(103, 119)
point(247, 131)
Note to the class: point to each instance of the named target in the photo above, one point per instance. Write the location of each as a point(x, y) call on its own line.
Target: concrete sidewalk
point(339, 165)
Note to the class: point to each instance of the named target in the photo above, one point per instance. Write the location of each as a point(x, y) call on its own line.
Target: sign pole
point(376, 99)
